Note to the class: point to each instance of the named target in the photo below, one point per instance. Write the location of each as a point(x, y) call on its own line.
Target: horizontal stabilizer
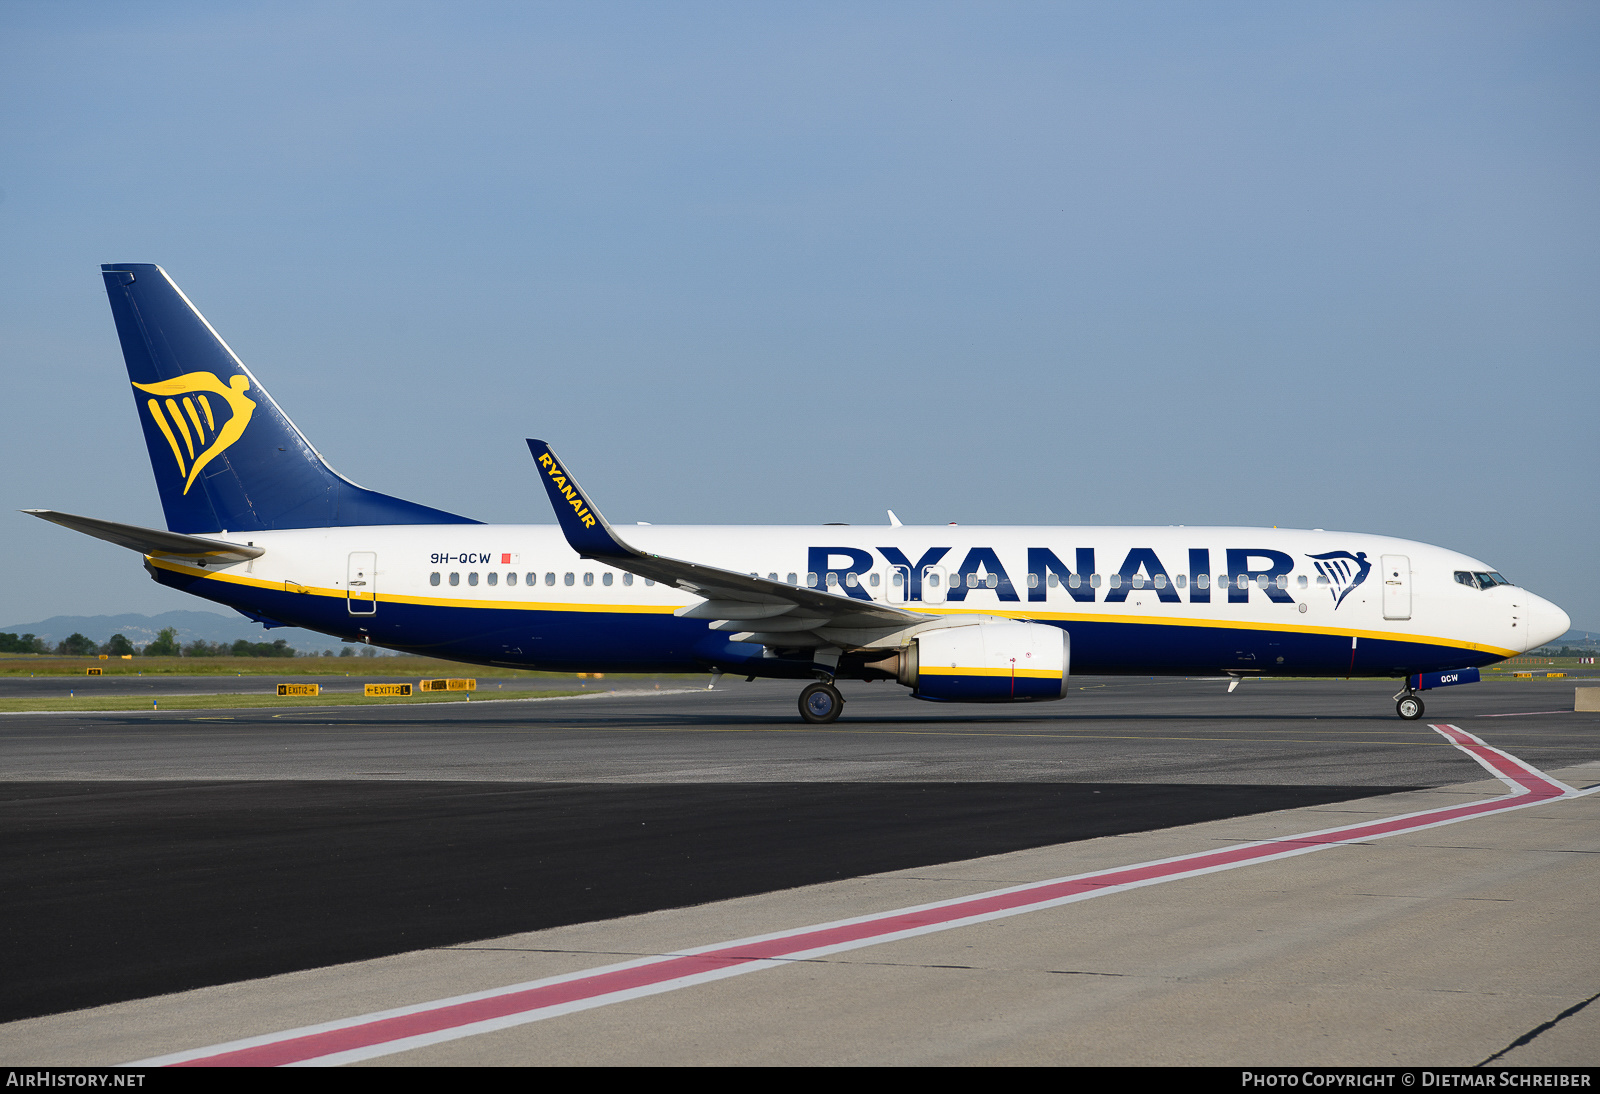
point(591, 537)
point(150, 541)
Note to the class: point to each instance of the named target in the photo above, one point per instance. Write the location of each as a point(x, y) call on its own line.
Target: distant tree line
point(243, 647)
point(164, 645)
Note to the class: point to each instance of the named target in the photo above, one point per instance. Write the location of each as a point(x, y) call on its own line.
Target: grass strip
point(46, 705)
point(361, 667)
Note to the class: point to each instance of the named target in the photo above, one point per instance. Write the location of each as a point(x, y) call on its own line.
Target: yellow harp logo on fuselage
point(189, 417)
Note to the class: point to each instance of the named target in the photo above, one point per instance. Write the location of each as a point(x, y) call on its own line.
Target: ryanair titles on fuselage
point(1262, 568)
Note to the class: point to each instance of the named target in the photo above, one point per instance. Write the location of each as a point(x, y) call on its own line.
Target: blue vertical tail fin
point(224, 455)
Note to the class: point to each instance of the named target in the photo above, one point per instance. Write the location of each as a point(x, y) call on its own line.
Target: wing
point(769, 612)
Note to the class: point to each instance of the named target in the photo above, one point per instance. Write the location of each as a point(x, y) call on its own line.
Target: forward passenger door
point(1396, 587)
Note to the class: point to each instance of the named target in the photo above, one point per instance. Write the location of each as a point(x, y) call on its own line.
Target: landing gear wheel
point(820, 704)
point(1409, 708)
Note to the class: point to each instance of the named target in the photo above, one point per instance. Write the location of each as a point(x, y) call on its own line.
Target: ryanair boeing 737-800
point(257, 520)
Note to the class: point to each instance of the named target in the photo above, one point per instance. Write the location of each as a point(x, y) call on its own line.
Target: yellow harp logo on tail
point(197, 430)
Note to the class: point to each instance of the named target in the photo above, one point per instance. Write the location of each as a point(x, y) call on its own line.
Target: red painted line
point(520, 1003)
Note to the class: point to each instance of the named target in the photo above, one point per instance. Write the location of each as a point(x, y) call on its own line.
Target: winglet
point(586, 530)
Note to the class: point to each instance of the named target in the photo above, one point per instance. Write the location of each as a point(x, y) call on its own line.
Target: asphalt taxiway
point(279, 867)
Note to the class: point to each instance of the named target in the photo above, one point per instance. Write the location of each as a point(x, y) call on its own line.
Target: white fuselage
point(1171, 599)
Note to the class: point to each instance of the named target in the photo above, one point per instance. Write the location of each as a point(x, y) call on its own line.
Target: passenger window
point(1137, 581)
point(1116, 581)
point(852, 580)
point(532, 579)
point(588, 579)
point(511, 579)
point(1301, 580)
point(455, 579)
point(1161, 581)
point(898, 579)
point(811, 581)
point(649, 581)
point(833, 579)
point(792, 580)
point(1094, 581)
point(772, 577)
point(1180, 579)
point(605, 579)
point(1074, 581)
point(874, 580)
point(433, 578)
point(472, 578)
point(627, 579)
point(494, 578)
point(1202, 581)
point(1281, 581)
point(932, 579)
point(1322, 579)
point(549, 579)
point(1033, 581)
point(568, 579)
point(1052, 581)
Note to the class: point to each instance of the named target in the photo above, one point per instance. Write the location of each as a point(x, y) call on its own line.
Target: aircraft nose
point(1546, 622)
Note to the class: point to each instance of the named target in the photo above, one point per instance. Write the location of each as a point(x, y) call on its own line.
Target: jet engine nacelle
point(987, 663)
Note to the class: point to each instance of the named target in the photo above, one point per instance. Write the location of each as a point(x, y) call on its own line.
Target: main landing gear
point(820, 703)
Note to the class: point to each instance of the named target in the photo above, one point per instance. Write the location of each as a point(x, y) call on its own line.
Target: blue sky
point(1327, 265)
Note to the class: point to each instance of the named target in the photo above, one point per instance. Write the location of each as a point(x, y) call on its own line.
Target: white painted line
point(383, 1033)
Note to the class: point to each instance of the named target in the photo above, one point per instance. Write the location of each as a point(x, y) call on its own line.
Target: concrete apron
point(1438, 947)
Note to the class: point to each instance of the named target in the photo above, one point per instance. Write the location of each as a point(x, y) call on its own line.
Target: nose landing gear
point(1408, 704)
point(820, 703)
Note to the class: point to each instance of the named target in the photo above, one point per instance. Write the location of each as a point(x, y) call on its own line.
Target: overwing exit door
point(361, 586)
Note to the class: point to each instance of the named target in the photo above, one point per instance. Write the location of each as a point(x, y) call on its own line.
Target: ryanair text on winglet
point(566, 489)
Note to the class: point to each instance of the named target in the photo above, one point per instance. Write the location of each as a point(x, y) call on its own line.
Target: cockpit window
point(1478, 580)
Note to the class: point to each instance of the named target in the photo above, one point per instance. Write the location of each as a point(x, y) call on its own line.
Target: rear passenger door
point(361, 584)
